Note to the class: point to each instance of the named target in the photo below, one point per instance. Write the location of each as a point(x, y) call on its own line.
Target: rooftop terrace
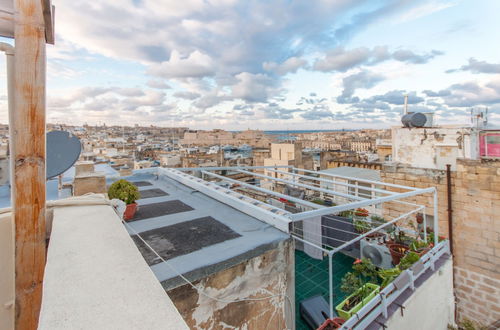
point(195, 233)
point(203, 230)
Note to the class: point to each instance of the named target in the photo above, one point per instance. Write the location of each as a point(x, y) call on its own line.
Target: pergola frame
point(321, 210)
point(318, 211)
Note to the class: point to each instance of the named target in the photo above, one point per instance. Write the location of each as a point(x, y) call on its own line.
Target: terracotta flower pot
point(130, 211)
point(331, 324)
point(397, 252)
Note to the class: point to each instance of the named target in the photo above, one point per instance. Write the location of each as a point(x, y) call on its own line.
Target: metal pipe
point(436, 222)
point(380, 183)
point(366, 202)
point(351, 197)
point(450, 230)
point(250, 186)
point(228, 168)
point(9, 52)
point(308, 177)
point(330, 283)
point(450, 209)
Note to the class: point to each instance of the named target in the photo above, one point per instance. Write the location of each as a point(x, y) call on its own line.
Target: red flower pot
point(397, 252)
point(331, 324)
point(130, 211)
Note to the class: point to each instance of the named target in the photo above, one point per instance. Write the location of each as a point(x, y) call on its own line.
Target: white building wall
point(431, 147)
point(431, 306)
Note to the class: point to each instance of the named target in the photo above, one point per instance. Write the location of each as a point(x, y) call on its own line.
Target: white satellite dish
point(63, 150)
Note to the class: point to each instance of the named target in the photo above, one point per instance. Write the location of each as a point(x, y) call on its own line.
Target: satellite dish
point(63, 150)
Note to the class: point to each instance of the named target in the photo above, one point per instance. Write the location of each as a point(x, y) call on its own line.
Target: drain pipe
point(450, 232)
point(9, 52)
point(450, 208)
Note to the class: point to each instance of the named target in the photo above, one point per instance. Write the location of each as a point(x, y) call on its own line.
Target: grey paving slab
point(183, 238)
point(150, 193)
point(161, 208)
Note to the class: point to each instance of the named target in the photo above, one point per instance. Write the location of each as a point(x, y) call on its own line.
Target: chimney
point(405, 109)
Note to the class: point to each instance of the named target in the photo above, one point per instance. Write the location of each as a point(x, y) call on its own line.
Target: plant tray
point(347, 315)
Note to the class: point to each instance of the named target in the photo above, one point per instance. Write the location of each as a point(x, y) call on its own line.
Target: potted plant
point(375, 222)
point(332, 324)
point(361, 226)
point(397, 252)
point(346, 214)
point(362, 213)
point(408, 260)
point(127, 192)
point(420, 247)
point(354, 302)
point(388, 275)
point(359, 291)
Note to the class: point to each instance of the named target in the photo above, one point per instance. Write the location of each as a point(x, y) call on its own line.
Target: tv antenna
point(479, 117)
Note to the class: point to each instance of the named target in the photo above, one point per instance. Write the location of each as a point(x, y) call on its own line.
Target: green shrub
point(125, 191)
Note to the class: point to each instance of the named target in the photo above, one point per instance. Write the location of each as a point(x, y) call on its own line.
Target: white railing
point(379, 305)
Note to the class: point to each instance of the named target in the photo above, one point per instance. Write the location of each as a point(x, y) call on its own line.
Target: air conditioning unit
point(378, 253)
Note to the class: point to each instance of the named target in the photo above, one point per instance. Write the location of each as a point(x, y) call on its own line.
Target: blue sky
point(278, 64)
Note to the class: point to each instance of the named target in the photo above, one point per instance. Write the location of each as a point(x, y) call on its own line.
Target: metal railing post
point(330, 282)
point(436, 222)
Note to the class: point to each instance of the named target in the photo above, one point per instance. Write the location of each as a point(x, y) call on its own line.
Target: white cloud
point(253, 87)
point(195, 64)
point(425, 9)
point(157, 83)
point(291, 65)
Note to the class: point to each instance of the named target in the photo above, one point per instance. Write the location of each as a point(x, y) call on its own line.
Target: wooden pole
point(28, 196)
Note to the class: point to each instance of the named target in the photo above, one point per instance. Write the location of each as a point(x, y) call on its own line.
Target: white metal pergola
point(380, 193)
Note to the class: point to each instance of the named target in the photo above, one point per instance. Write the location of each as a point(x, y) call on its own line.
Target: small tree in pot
point(127, 192)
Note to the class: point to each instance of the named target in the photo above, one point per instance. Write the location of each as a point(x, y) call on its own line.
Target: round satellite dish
point(63, 150)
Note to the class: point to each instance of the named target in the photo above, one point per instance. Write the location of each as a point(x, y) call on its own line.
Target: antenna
point(63, 150)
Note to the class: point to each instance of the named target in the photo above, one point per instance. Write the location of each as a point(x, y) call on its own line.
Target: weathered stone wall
point(476, 229)
point(270, 274)
point(476, 235)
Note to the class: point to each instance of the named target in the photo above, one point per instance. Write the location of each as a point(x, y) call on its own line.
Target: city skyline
point(273, 66)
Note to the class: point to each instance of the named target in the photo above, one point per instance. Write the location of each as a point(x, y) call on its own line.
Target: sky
point(261, 64)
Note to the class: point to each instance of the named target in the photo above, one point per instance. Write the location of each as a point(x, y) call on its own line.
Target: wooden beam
point(29, 160)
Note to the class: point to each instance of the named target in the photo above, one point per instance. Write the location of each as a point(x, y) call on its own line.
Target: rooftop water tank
point(414, 119)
